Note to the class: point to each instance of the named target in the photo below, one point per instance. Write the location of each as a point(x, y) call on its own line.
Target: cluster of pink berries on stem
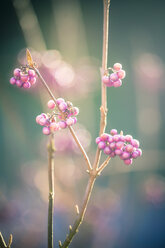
point(24, 77)
point(114, 78)
point(115, 144)
point(58, 120)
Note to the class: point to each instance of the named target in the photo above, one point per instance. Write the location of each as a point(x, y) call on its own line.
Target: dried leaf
point(29, 58)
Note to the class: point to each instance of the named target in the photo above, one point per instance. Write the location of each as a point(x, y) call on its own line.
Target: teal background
point(127, 208)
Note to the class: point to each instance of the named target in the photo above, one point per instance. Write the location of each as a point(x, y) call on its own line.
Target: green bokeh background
point(136, 28)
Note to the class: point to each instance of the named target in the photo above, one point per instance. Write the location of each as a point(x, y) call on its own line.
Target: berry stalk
point(51, 151)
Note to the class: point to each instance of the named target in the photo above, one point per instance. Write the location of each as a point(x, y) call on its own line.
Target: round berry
point(119, 144)
point(62, 124)
point(104, 137)
point(98, 140)
point(24, 77)
point(135, 154)
point(19, 83)
point(121, 74)
point(116, 137)
point(117, 66)
point(101, 145)
point(128, 161)
point(31, 73)
point(117, 83)
point(74, 120)
point(139, 151)
point(46, 130)
point(113, 132)
point(118, 152)
point(26, 85)
point(129, 148)
point(38, 118)
point(126, 155)
point(107, 150)
point(42, 121)
point(128, 138)
point(12, 80)
point(110, 139)
point(105, 79)
point(112, 145)
point(54, 126)
point(17, 72)
point(69, 121)
point(110, 84)
point(63, 106)
point(112, 154)
point(75, 111)
point(32, 80)
point(51, 104)
point(59, 100)
point(135, 143)
point(114, 77)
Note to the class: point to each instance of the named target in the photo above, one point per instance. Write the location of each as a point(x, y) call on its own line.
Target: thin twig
point(103, 165)
point(103, 108)
point(89, 167)
point(51, 151)
point(77, 223)
point(2, 241)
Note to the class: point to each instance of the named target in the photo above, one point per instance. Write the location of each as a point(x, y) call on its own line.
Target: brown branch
point(2, 241)
point(103, 165)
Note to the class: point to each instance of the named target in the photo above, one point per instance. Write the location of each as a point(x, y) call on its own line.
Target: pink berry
point(117, 83)
point(51, 104)
point(116, 137)
point(117, 66)
point(17, 72)
point(139, 151)
point(26, 85)
point(12, 80)
point(135, 154)
point(119, 144)
point(74, 120)
point(98, 140)
point(128, 138)
point(126, 155)
point(122, 138)
point(32, 80)
point(129, 148)
point(42, 121)
point(19, 83)
point(118, 152)
point(110, 139)
point(70, 121)
point(113, 132)
point(107, 150)
point(101, 145)
point(59, 100)
point(105, 79)
point(121, 74)
point(112, 145)
point(112, 155)
point(24, 77)
point(54, 126)
point(114, 77)
point(128, 161)
point(104, 137)
point(31, 73)
point(46, 130)
point(63, 106)
point(62, 124)
point(38, 118)
point(75, 111)
point(135, 143)
point(110, 84)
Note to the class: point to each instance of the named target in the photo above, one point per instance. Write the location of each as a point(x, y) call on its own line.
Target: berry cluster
point(115, 78)
point(56, 121)
point(23, 77)
point(114, 144)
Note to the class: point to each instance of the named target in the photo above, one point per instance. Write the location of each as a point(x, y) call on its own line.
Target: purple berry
point(107, 150)
point(105, 79)
point(38, 118)
point(98, 140)
point(110, 139)
point(31, 73)
point(135, 143)
point(46, 130)
point(113, 132)
point(54, 126)
point(117, 83)
point(113, 154)
point(24, 78)
point(26, 85)
point(119, 144)
point(59, 100)
point(118, 152)
point(42, 121)
point(62, 124)
point(129, 148)
point(74, 120)
point(104, 137)
point(114, 77)
point(112, 145)
point(117, 66)
point(126, 155)
point(135, 154)
point(75, 111)
point(17, 72)
point(51, 104)
point(116, 137)
point(121, 74)
point(63, 106)
point(32, 80)
point(128, 138)
point(12, 80)
point(19, 83)
point(101, 145)
point(139, 151)
point(128, 161)
point(69, 121)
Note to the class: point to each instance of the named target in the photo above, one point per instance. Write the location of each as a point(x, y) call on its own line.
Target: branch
point(103, 108)
point(51, 151)
point(104, 164)
point(73, 230)
point(2, 241)
point(70, 128)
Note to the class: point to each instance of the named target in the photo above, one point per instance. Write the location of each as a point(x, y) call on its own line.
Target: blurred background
point(127, 208)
